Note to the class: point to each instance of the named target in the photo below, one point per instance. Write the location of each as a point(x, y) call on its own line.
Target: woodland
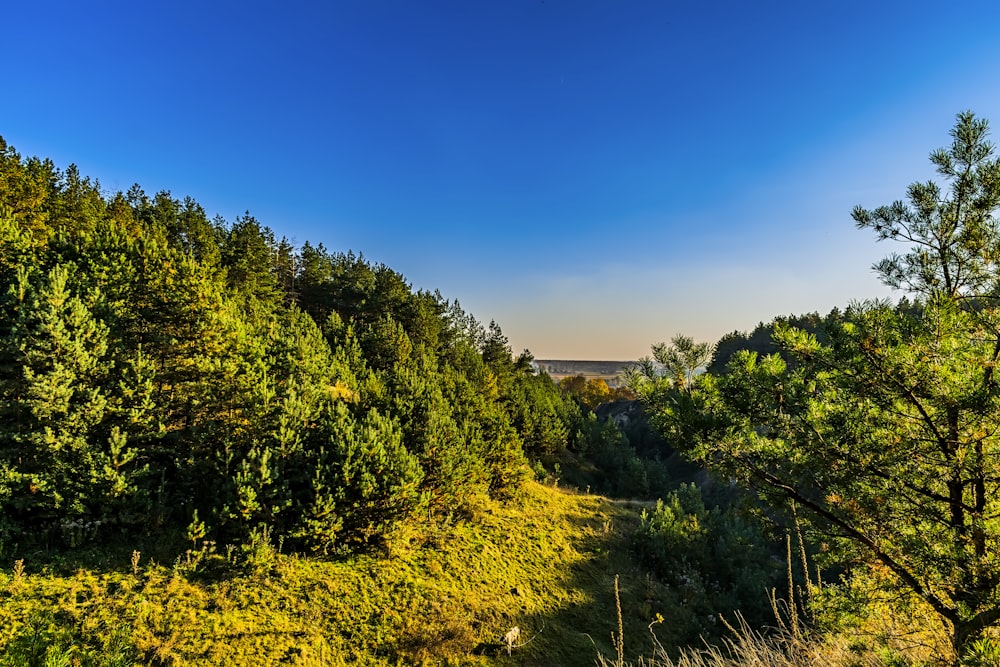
point(181, 388)
point(208, 434)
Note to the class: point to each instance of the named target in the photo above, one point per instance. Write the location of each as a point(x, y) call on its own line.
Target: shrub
point(717, 560)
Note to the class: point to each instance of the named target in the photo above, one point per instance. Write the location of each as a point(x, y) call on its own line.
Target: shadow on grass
point(585, 623)
point(581, 619)
point(545, 565)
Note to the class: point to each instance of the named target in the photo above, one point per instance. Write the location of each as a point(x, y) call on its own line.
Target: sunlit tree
point(885, 434)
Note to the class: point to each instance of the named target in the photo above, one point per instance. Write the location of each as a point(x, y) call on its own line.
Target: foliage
point(884, 434)
point(718, 561)
point(761, 339)
point(606, 461)
point(157, 365)
point(593, 392)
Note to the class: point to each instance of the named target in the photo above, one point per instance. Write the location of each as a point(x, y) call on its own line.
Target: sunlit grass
point(543, 564)
point(443, 595)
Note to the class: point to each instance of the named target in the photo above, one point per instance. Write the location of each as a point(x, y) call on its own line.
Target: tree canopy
point(160, 370)
point(882, 427)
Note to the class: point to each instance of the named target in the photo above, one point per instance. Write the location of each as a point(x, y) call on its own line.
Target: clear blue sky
point(594, 175)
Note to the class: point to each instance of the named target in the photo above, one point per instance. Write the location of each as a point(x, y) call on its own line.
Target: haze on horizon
point(594, 176)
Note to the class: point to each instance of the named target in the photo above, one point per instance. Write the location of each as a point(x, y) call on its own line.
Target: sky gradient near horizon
point(594, 175)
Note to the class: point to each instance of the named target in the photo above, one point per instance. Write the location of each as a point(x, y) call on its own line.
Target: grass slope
point(546, 565)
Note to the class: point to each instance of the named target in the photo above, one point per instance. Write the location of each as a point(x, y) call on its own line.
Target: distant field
point(609, 371)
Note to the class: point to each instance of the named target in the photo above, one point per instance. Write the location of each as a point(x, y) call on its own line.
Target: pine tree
point(884, 433)
point(59, 464)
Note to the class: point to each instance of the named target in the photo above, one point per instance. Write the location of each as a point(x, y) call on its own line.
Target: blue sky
point(596, 176)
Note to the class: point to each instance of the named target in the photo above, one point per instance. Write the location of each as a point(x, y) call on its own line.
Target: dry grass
point(888, 637)
point(748, 647)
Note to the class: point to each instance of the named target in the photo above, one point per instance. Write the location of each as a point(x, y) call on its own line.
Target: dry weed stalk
point(793, 615)
point(619, 643)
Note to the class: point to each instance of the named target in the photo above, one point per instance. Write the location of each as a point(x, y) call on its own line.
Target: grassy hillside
point(546, 565)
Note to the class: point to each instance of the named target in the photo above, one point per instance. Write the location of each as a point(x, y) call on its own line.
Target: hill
point(546, 566)
point(184, 402)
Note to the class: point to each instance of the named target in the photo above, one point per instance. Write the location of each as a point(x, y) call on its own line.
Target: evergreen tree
point(885, 435)
point(58, 463)
point(148, 354)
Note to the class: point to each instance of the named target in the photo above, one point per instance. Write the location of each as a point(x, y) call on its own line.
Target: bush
point(716, 560)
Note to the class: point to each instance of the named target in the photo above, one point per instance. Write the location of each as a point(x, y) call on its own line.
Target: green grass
point(545, 564)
